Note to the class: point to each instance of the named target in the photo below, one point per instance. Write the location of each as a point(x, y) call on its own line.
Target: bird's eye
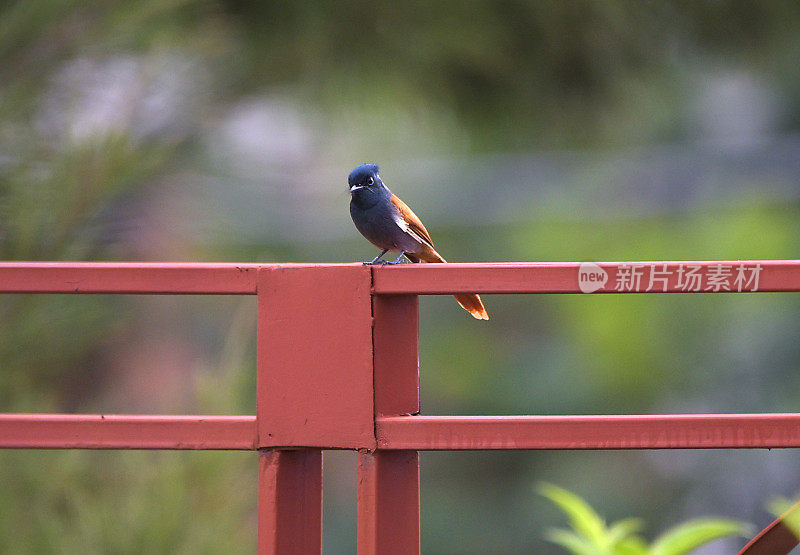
point(369, 181)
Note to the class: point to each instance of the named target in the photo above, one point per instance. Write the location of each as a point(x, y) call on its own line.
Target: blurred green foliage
point(518, 73)
point(115, 123)
point(590, 535)
point(127, 502)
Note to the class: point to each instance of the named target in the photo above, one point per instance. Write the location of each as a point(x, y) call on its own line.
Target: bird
point(389, 224)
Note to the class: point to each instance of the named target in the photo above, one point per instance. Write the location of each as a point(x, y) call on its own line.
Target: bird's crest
point(361, 173)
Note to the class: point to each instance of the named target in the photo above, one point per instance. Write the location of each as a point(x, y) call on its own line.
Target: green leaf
point(633, 545)
point(691, 535)
point(583, 519)
point(572, 542)
point(623, 530)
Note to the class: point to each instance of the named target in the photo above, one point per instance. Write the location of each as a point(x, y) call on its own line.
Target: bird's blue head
point(364, 176)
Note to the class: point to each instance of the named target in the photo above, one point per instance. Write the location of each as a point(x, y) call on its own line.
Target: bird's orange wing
point(469, 301)
point(413, 221)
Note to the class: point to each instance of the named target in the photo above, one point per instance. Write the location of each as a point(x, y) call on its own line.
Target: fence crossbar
point(676, 431)
point(99, 431)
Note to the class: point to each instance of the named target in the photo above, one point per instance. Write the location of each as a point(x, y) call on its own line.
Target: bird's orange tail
point(472, 304)
point(469, 301)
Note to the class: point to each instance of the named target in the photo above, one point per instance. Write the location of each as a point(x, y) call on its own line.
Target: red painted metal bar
point(314, 389)
point(85, 431)
point(775, 539)
point(682, 431)
point(127, 277)
point(315, 358)
point(388, 481)
point(600, 277)
point(388, 502)
point(290, 502)
point(173, 278)
point(703, 431)
point(534, 277)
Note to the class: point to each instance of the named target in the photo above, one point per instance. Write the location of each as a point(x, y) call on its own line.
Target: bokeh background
point(202, 130)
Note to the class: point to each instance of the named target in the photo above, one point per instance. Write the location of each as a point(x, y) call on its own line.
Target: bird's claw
point(377, 260)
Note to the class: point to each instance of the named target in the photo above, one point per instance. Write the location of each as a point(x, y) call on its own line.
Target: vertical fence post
point(388, 481)
point(290, 501)
point(314, 391)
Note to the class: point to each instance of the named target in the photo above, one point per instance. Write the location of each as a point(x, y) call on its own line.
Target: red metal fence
point(338, 369)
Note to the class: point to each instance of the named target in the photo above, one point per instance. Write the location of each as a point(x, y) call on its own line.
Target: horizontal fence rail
point(86, 431)
point(419, 433)
point(677, 431)
point(126, 277)
point(734, 276)
point(352, 382)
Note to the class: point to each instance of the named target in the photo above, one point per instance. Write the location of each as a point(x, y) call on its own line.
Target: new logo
point(591, 277)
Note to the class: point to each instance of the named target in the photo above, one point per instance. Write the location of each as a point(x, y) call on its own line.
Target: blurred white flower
point(265, 132)
point(736, 109)
point(144, 96)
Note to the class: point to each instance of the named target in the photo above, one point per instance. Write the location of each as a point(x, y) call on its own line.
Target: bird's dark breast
point(375, 218)
point(376, 224)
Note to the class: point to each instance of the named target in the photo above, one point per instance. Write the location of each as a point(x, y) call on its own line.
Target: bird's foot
point(377, 259)
point(399, 259)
